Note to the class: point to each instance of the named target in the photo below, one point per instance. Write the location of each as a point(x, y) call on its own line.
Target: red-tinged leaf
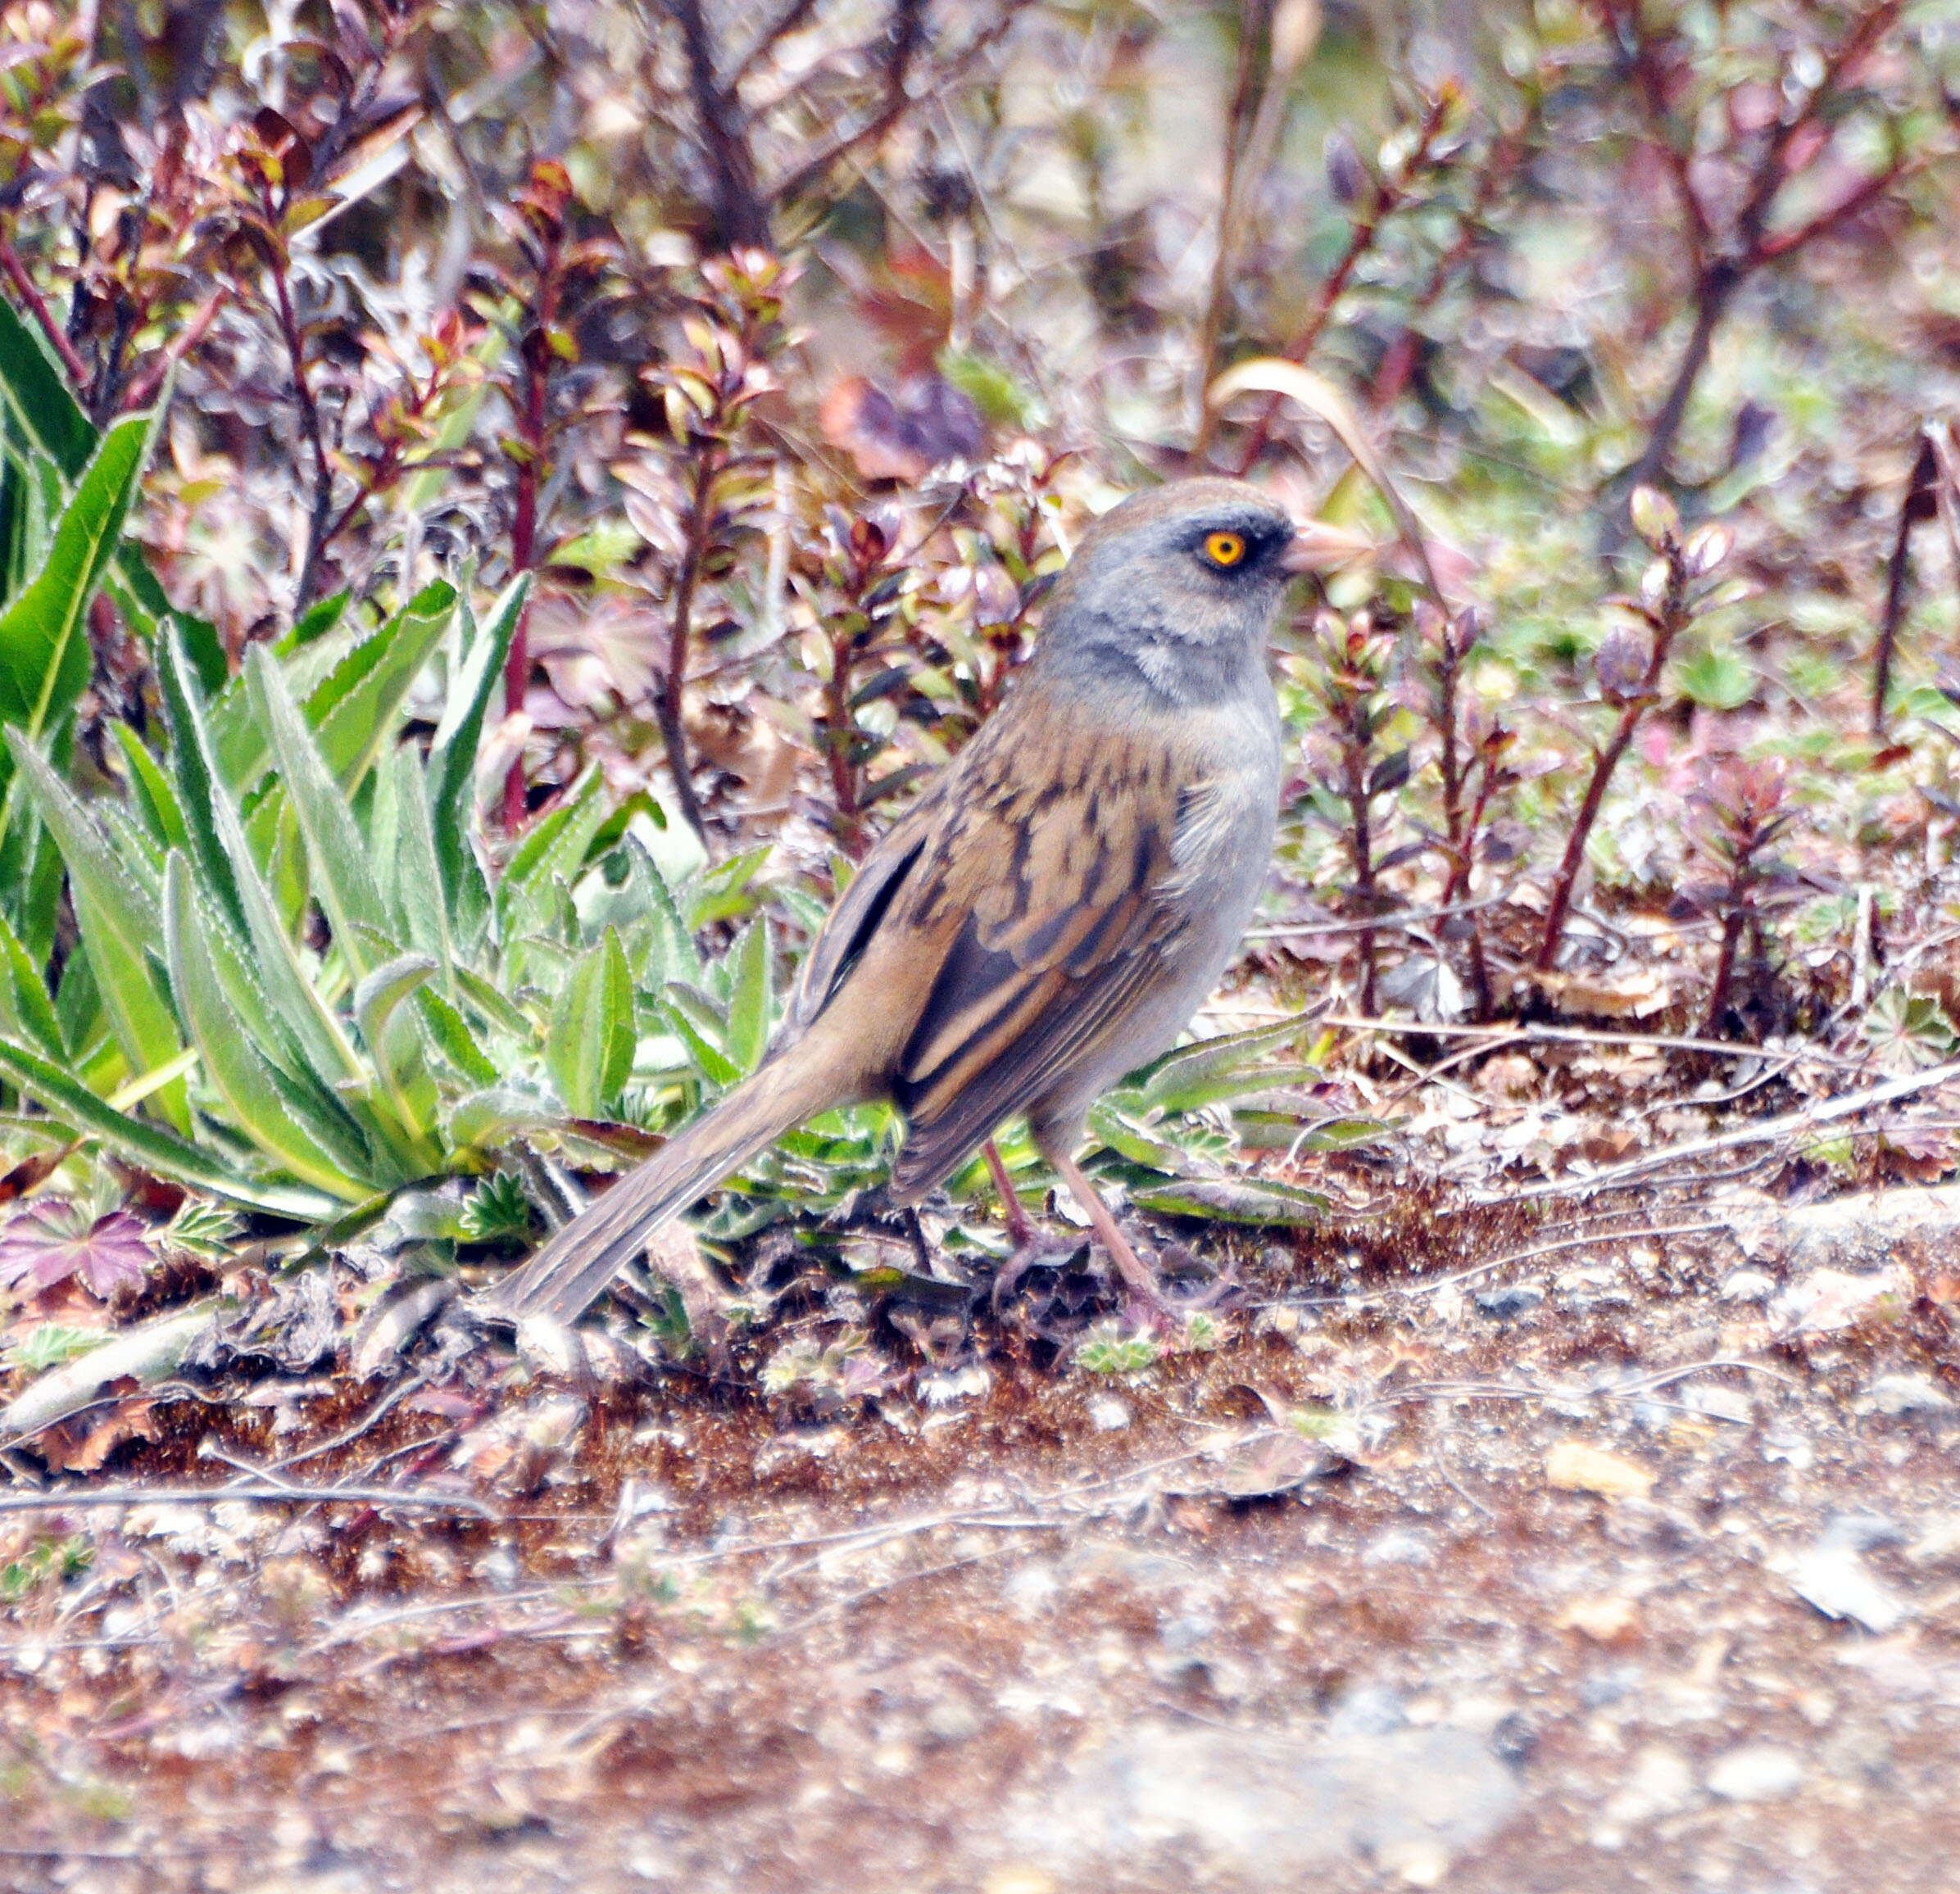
point(43, 1247)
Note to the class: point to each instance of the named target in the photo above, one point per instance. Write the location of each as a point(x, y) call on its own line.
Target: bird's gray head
point(1178, 586)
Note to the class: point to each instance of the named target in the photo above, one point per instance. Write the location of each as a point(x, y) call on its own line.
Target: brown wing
point(1046, 887)
point(852, 922)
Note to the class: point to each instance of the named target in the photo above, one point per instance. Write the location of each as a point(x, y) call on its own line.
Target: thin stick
point(377, 1496)
point(1829, 1112)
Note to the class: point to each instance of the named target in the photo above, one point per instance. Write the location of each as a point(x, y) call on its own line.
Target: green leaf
point(194, 772)
point(349, 684)
point(354, 712)
point(1192, 1075)
point(232, 1064)
point(419, 887)
point(1717, 679)
point(343, 881)
point(449, 1033)
point(588, 1050)
point(118, 923)
point(65, 1098)
point(749, 1008)
point(223, 858)
point(1263, 1203)
point(452, 751)
point(677, 1009)
point(43, 637)
point(151, 794)
point(320, 618)
point(27, 1014)
point(39, 406)
point(554, 848)
point(396, 1047)
point(723, 892)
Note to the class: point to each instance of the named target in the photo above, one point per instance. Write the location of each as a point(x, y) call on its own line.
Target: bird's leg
point(1142, 1279)
point(1020, 1228)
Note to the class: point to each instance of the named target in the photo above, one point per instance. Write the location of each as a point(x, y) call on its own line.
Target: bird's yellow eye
point(1224, 548)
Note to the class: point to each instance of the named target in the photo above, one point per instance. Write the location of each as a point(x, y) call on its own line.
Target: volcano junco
point(1055, 906)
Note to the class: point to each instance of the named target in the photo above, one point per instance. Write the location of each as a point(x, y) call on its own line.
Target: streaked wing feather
point(1059, 887)
point(855, 918)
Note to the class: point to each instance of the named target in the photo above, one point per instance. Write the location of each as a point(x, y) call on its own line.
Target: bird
point(1051, 910)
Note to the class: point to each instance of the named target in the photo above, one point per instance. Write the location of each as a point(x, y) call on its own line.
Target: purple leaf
point(44, 1247)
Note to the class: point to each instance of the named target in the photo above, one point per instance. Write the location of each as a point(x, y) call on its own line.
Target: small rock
point(1514, 1740)
point(1756, 1772)
point(1827, 1300)
point(1415, 1863)
point(1397, 1548)
point(1833, 1579)
point(1574, 1466)
point(1938, 1544)
point(1747, 1285)
point(952, 1719)
point(1510, 1300)
point(1907, 1394)
point(1609, 1620)
point(1107, 1415)
point(1661, 1783)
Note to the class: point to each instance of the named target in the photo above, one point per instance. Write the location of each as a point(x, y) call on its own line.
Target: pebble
point(1507, 1303)
point(1576, 1466)
point(1827, 1300)
point(1938, 1541)
point(1908, 1394)
point(1833, 1579)
point(1756, 1772)
point(1107, 1415)
point(1747, 1285)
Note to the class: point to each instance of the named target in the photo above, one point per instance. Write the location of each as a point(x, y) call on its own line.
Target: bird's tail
point(565, 1278)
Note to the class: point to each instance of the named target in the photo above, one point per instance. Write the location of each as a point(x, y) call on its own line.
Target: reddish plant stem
point(843, 776)
point(145, 388)
point(533, 433)
point(1720, 270)
point(1671, 619)
point(25, 287)
point(310, 430)
point(1921, 502)
point(1388, 198)
point(668, 703)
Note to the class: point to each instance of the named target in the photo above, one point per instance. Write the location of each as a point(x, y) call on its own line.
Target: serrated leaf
point(343, 882)
point(588, 1050)
point(43, 637)
point(419, 889)
point(66, 1100)
point(151, 793)
point(395, 1047)
point(554, 848)
point(1189, 1076)
point(224, 862)
point(453, 748)
point(27, 1013)
point(118, 923)
point(749, 1000)
point(449, 1033)
point(1257, 1203)
point(233, 1066)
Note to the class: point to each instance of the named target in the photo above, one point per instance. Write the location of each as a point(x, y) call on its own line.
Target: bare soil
point(1387, 1589)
